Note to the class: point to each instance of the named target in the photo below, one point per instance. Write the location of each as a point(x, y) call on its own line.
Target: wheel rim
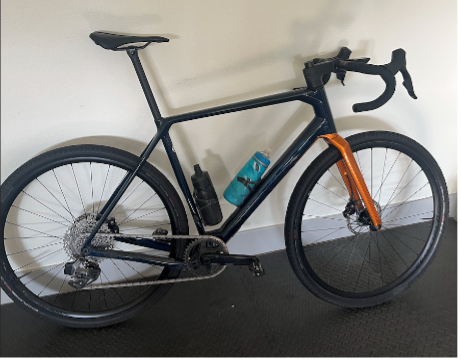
point(41, 214)
point(345, 257)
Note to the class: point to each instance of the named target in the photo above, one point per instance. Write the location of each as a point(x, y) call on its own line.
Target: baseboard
point(271, 238)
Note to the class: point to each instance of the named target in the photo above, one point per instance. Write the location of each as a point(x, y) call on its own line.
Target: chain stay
point(168, 238)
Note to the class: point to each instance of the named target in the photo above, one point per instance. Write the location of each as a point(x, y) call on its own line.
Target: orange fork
point(350, 171)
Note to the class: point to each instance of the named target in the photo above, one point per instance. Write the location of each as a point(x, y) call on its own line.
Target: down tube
point(316, 127)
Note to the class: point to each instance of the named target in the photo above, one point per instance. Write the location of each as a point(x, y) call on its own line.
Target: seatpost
point(133, 54)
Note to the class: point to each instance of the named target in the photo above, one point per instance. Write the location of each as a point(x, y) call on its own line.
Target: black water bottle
point(205, 197)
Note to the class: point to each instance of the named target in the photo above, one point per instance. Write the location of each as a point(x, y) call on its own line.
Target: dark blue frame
point(322, 124)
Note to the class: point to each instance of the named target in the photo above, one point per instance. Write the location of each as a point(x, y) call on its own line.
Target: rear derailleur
point(83, 273)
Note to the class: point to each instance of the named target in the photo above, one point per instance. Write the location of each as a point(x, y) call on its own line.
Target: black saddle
point(114, 41)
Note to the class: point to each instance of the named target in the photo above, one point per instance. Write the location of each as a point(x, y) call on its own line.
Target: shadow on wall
point(307, 35)
point(212, 159)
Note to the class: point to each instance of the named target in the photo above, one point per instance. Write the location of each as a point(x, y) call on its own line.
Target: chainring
point(204, 246)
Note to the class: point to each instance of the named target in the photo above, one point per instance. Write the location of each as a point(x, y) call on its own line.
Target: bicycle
point(92, 235)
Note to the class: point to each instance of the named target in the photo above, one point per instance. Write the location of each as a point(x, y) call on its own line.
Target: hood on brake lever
point(398, 63)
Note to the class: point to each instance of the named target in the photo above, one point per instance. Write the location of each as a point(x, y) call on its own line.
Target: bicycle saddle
point(113, 41)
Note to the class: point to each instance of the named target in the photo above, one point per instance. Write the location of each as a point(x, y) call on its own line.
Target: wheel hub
point(359, 221)
point(76, 235)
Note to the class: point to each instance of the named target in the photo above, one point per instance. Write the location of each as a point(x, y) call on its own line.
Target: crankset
point(205, 257)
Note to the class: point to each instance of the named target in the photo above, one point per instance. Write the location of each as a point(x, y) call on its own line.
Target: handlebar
point(385, 74)
point(315, 73)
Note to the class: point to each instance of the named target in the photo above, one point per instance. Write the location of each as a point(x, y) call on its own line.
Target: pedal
point(256, 268)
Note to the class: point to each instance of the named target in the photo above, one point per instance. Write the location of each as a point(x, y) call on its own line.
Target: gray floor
point(238, 315)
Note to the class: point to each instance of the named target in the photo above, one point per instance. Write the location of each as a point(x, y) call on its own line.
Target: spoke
point(62, 192)
point(126, 222)
point(364, 258)
point(327, 235)
point(40, 232)
point(46, 206)
point(104, 292)
point(137, 208)
point(379, 260)
point(369, 263)
point(379, 250)
point(72, 306)
point(127, 196)
point(409, 216)
point(39, 247)
point(329, 261)
point(401, 241)
point(371, 159)
point(78, 188)
point(398, 185)
point(358, 161)
point(60, 289)
point(328, 217)
point(332, 192)
point(326, 205)
point(337, 180)
point(380, 187)
point(350, 257)
point(404, 201)
point(91, 181)
point(142, 227)
point(406, 185)
point(28, 237)
point(40, 258)
point(51, 280)
point(46, 272)
point(56, 199)
point(394, 250)
point(319, 229)
point(417, 238)
point(113, 262)
point(33, 213)
point(382, 177)
point(103, 188)
point(102, 272)
point(129, 264)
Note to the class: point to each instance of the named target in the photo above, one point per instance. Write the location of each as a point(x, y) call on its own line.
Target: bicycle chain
point(166, 281)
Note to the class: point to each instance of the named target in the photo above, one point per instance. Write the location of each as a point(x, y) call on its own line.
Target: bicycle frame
point(322, 124)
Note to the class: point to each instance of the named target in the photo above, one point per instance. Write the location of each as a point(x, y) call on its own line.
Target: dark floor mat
point(236, 314)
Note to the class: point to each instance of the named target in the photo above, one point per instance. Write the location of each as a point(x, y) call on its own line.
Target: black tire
point(112, 158)
point(361, 267)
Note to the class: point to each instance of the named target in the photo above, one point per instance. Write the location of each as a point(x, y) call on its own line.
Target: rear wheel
point(50, 200)
point(330, 245)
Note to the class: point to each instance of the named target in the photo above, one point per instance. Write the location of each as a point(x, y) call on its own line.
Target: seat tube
point(133, 54)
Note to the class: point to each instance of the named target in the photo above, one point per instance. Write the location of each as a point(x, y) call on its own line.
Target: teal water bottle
point(247, 177)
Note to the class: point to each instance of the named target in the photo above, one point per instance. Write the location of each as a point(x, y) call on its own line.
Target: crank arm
point(139, 257)
point(228, 259)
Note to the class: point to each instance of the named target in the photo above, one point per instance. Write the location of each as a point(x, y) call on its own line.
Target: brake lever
point(340, 75)
point(398, 63)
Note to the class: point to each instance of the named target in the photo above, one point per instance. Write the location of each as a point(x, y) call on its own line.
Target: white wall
point(59, 88)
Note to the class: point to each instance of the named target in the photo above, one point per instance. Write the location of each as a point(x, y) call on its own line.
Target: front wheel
point(333, 251)
point(50, 201)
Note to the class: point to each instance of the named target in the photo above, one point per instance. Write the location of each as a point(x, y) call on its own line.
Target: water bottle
point(205, 197)
point(247, 177)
